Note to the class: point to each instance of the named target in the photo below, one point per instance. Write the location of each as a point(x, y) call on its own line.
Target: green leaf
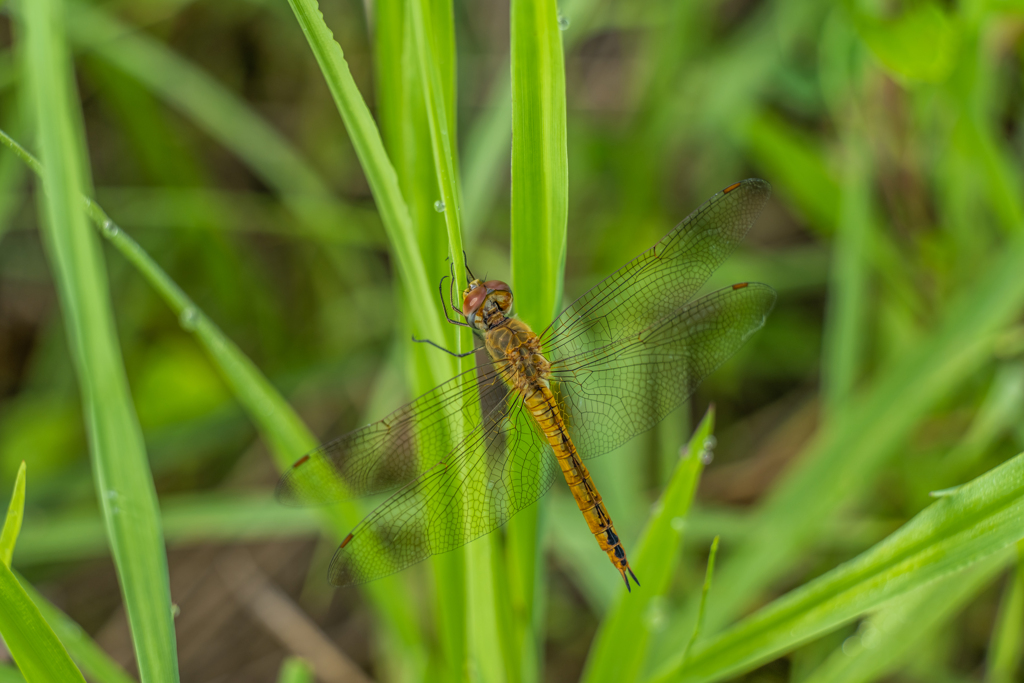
point(540, 170)
point(31, 641)
point(124, 484)
point(849, 449)
point(540, 190)
point(15, 514)
point(709, 574)
point(295, 670)
point(919, 45)
point(982, 518)
point(886, 640)
point(621, 644)
point(467, 587)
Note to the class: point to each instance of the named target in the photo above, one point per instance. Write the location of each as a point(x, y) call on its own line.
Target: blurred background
point(890, 131)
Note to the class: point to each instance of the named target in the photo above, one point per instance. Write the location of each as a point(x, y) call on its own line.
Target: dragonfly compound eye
point(472, 298)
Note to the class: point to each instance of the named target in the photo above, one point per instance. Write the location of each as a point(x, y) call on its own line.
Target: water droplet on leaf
point(439, 206)
point(188, 318)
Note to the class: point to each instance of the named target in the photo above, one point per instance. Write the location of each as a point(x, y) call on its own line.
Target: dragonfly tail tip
point(634, 576)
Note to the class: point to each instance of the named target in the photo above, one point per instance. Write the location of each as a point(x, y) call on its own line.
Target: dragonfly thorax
point(487, 304)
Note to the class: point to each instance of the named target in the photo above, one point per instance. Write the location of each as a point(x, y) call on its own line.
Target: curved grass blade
point(888, 639)
point(275, 419)
point(124, 484)
point(984, 517)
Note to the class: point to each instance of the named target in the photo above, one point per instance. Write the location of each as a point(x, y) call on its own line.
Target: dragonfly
point(611, 366)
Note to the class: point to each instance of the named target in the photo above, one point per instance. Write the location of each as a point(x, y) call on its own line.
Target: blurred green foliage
point(891, 367)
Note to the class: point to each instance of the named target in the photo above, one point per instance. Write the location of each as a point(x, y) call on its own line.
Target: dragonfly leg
point(444, 305)
point(438, 346)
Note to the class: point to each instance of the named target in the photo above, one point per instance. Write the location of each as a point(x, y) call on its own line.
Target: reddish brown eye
point(472, 299)
point(497, 285)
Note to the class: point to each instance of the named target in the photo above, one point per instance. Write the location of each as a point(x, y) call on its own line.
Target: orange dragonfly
point(611, 366)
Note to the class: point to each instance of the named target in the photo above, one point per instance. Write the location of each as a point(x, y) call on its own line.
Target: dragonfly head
point(485, 303)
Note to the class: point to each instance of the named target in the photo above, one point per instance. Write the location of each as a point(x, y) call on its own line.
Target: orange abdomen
point(542, 405)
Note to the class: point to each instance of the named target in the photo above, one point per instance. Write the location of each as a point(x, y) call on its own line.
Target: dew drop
point(175, 610)
point(111, 494)
point(710, 443)
point(109, 229)
point(706, 457)
point(439, 206)
point(678, 524)
point(114, 510)
point(188, 318)
point(563, 22)
point(656, 614)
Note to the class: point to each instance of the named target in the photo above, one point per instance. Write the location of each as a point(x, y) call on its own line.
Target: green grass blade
point(982, 518)
point(295, 670)
point(886, 640)
point(539, 217)
point(705, 589)
point(848, 450)
point(96, 663)
point(31, 641)
point(621, 644)
point(1004, 653)
point(15, 515)
point(540, 173)
point(467, 586)
point(379, 173)
point(285, 433)
point(121, 473)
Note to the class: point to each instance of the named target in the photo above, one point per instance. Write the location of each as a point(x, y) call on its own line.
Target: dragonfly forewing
point(392, 452)
point(658, 282)
point(610, 394)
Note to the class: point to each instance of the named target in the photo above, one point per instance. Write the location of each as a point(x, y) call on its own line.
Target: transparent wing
point(660, 281)
point(502, 467)
point(387, 454)
point(610, 394)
